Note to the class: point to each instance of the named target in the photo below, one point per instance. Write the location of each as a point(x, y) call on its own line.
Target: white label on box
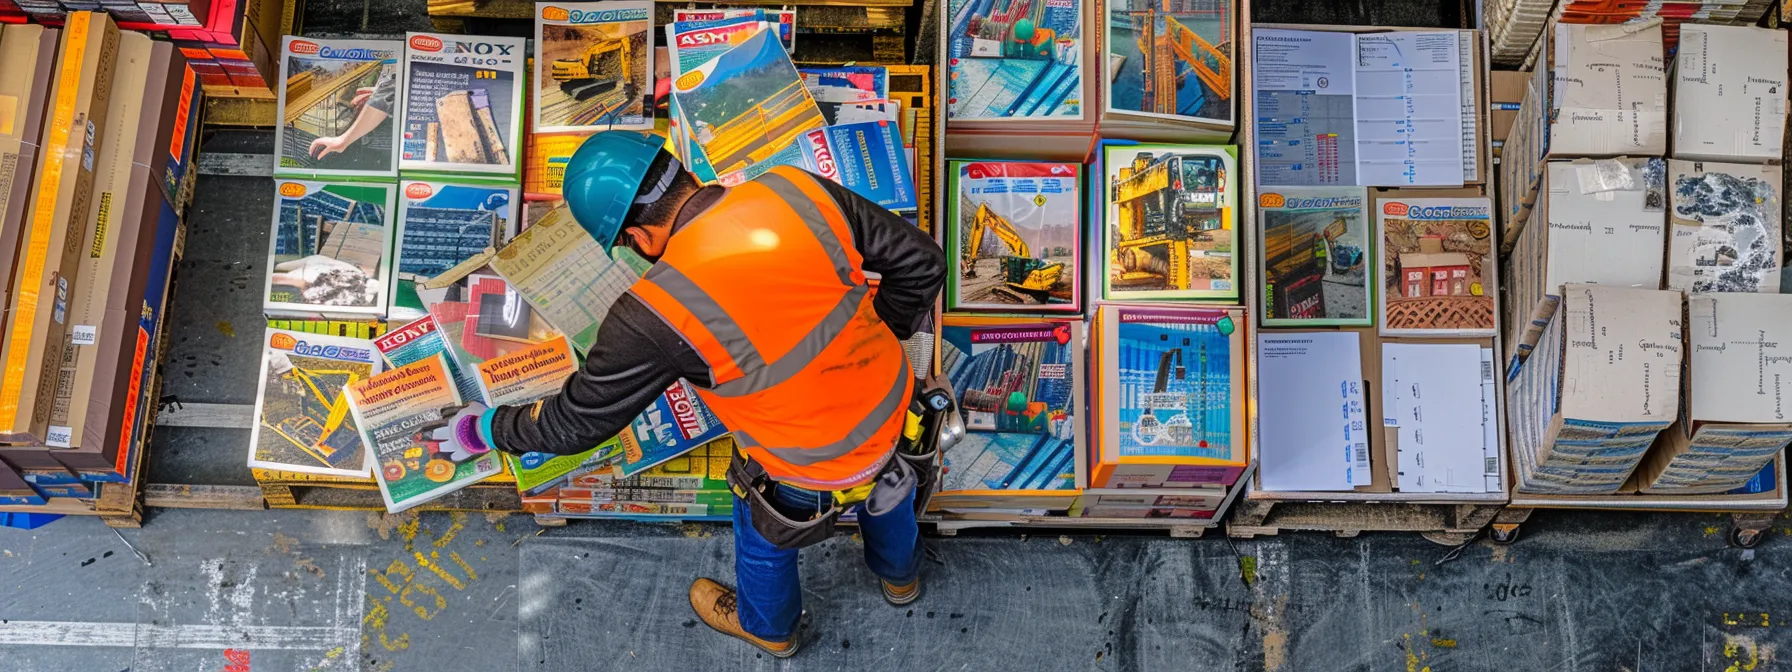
point(59, 436)
point(86, 334)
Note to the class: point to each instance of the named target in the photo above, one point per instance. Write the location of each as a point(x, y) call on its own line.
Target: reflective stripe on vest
point(817, 223)
point(866, 429)
point(768, 290)
point(756, 374)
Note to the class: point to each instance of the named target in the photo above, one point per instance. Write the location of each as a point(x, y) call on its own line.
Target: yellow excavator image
point(609, 59)
point(1024, 278)
point(594, 85)
point(320, 428)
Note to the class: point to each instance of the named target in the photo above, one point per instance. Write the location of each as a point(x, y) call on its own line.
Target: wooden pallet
point(289, 490)
point(240, 112)
point(1750, 515)
point(1447, 524)
point(482, 497)
point(1179, 528)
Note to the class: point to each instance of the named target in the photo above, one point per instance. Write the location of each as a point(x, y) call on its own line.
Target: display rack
point(1445, 518)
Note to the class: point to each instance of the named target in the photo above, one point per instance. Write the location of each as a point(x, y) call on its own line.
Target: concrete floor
point(304, 591)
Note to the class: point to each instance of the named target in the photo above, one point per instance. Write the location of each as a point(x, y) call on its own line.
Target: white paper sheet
point(1306, 131)
point(1409, 109)
point(1490, 424)
point(1438, 404)
point(1315, 435)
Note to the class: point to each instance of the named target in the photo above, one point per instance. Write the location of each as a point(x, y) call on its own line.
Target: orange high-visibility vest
point(768, 288)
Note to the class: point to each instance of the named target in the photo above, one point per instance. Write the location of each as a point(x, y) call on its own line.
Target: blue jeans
point(769, 596)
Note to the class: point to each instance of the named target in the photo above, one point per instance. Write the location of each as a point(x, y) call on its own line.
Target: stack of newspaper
point(739, 108)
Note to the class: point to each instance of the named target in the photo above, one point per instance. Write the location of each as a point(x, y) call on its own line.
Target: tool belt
point(915, 466)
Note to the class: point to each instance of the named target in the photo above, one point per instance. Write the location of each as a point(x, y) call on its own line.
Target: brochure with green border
point(1315, 256)
point(463, 107)
point(1169, 222)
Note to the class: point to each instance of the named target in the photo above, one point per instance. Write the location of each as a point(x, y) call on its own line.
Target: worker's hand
point(460, 439)
point(326, 146)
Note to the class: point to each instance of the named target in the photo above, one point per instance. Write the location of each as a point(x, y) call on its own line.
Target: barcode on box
point(1486, 371)
point(1493, 466)
point(1362, 454)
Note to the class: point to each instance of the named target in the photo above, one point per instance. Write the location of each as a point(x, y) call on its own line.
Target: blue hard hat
point(603, 177)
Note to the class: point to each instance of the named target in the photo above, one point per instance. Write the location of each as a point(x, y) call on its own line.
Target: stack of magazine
point(739, 108)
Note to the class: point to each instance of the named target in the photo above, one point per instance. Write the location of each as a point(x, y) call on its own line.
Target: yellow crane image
point(1167, 205)
point(319, 427)
point(1023, 276)
point(1164, 43)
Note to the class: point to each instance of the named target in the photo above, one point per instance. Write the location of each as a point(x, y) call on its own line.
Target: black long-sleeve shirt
point(637, 355)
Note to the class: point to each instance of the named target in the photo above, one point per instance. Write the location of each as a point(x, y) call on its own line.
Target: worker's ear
point(638, 235)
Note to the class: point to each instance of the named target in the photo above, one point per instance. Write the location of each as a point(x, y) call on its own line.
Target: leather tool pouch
point(751, 484)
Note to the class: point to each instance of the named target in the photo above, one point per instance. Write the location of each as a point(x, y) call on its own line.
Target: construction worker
point(758, 296)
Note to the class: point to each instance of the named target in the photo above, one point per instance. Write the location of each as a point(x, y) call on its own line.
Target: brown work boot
point(903, 594)
point(714, 604)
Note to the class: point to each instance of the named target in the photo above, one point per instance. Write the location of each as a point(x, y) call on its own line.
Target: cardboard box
point(177, 137)
point(30, 56)
point(1725, 223)
point(1730, 93)
point(1522, 156)
point(111, 306)
point(1609, 93)
point(1204, 499)
point(131, 399)
point(1734, 421)
point(1506, 89)
point(37, 315)
point(1603, 223)
point(99, 257)
point(1602, 381)
point(1596, 91)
